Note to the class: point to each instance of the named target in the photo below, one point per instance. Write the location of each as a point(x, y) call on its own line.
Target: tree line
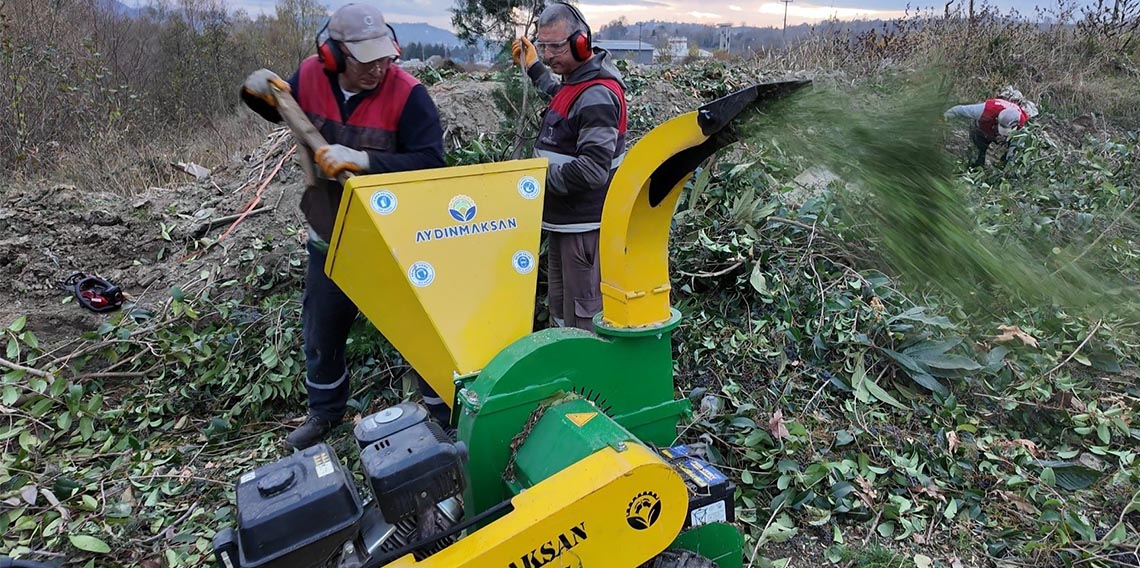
point(83, 73)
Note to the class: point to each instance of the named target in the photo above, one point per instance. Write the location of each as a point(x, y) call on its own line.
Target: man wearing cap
point(376, 118)
point(994, 120)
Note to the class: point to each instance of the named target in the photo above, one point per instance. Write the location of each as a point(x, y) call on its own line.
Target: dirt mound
point(166, 237)
point(161, 238)
point(466, 109)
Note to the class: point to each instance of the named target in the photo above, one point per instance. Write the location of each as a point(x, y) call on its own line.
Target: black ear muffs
point(329, 52)
point(93, 292)
point(581, 44)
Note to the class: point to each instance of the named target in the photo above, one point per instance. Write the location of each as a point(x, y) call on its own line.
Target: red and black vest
point(372, 126)
point(988, 122)
point(558, 140)
point(568, 94)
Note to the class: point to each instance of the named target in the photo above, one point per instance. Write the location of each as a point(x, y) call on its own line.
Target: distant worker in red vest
point(583, 137)
point(376, 118)
point(994, 120)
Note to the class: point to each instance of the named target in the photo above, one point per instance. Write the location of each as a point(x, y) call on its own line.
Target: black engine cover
point(413, 469)
point(297, 511)
point(376, 427)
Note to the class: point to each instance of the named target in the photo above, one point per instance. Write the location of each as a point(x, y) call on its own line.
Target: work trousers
point(982, 143)
point(575, 277)
point(326, 319)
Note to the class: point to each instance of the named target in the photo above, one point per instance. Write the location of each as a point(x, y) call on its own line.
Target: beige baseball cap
point(362, 29)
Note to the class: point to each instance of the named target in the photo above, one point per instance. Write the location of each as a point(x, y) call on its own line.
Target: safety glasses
point(554, 47)
point(381, 63)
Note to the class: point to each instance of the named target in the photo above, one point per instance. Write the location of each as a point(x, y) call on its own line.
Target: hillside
point(425, 33)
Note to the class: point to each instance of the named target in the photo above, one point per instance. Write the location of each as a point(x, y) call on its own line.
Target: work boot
point(310, 433)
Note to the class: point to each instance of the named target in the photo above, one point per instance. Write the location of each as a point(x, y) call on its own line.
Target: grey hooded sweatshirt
point(583, 137)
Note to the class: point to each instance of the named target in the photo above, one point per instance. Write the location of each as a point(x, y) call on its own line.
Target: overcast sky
point(757, 13)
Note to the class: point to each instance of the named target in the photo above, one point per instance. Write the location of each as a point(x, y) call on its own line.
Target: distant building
point(725, 37)
point(678, 47)
point(631, 50)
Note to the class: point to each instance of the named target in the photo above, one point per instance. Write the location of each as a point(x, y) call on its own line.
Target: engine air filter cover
point(376, 427)
point(296, 511)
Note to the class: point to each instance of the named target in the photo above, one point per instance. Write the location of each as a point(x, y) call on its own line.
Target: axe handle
point(299, 124)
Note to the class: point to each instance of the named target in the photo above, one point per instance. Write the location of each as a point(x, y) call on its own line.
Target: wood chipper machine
point(562, 449)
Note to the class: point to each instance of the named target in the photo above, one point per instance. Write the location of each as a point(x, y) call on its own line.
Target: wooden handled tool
point(307, 135)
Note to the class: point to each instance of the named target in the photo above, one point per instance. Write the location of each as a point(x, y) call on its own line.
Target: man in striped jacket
point(583, 136)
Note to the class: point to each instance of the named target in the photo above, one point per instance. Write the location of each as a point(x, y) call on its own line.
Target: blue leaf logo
point(462, 208)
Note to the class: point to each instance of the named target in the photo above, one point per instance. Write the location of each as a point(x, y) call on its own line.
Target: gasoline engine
point(305, 509)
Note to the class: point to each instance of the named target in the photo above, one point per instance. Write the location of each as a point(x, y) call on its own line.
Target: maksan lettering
point(552, 549)
point(440, 233)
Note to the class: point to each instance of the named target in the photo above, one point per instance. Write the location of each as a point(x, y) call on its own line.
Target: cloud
point(812, 12)
point(598, 12)
point(622, 3)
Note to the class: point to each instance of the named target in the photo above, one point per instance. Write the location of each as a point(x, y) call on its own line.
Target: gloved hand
point(523, 49)
point(257, 84)
point(335, 159)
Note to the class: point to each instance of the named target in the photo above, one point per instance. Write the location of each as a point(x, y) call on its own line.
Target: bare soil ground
point(146, 244)
point(165, 237)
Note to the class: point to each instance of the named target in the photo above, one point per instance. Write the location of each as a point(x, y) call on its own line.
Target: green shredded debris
point(902, 193)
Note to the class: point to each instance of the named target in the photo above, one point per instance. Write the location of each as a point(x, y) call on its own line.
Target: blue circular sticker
point(523, 262)
point(383, 202)
point(528, 187)
point(421, 274)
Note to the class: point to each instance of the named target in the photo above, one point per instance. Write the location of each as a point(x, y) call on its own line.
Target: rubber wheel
point(681, 559)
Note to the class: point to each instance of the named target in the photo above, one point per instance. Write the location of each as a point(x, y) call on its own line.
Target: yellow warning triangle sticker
point(581, 418)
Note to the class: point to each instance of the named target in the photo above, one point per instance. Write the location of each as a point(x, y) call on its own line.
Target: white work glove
point(257, 84)
point(335, 158)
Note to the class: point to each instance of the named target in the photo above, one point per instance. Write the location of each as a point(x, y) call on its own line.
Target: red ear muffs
point(329, 52)
point(581, 44)
point(395, 41)
point(331, 56)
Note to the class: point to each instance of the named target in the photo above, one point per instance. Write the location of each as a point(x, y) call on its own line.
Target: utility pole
point(784, 34)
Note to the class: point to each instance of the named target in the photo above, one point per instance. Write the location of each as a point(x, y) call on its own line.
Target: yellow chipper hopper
point(565, 448)
point(443, 262)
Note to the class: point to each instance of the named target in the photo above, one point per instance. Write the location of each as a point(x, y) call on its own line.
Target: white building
point(678, 47)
